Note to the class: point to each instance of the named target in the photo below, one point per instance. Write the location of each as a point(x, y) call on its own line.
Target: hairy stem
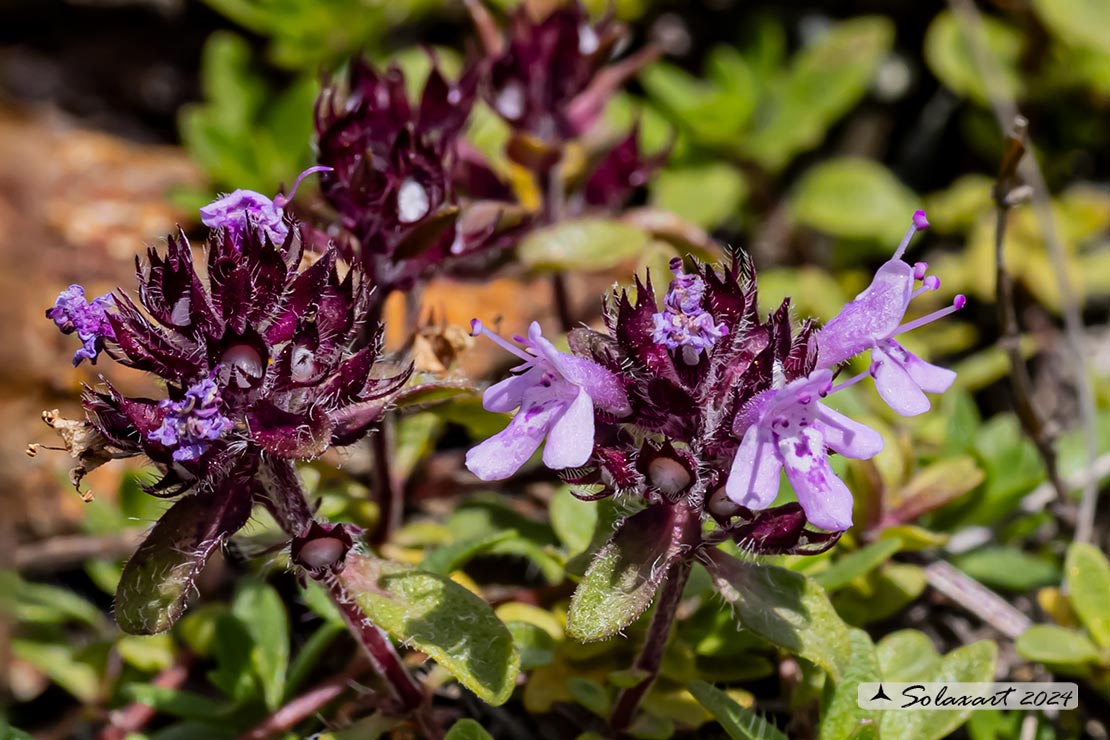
point(378, 648)
point(284, 495)
point(387, 492)
point(651, 654)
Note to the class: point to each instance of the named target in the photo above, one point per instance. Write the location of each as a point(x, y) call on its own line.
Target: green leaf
point(738, 722)
point(573, 520)
point(535, 645)
point(40, 603)
point(234, 650)
point(467, 729)
point(971, 663)
point(841, 716)
point(159, 577)
point(309, 655)
point(440, 618)
point(709, 113)
point(785, 608)
point(706, 195)
point(825, 81)
point(1087, 581)
point(1077, 22)
point(1054, 645)
point(478, 519)
point(449, 558)
point(62, 665)
point(906, 655)
point(624, 576)
point(950, 56)
point(147, 653)
point(880, 594)
point(1006, 567)
point(854, 198)
point(590, 694)
point(935, 486)
point(858, 563)
point(259, 607)
point(175, 702)
point(584, 244)
point(955, 209)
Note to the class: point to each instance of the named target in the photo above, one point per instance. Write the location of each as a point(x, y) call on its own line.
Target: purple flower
point(234, 210)
point(72, 313)
point(789, 428)
point(191, 424)
point(556, 394)
point(683, 322)
point(874, 318)
point(265, 360)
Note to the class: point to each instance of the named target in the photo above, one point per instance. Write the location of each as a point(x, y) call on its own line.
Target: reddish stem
point(135, 716)
point(380, 650)
point(651, 655)
point(308, 703)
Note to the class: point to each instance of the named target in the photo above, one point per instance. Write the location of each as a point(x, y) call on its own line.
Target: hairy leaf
point(438, 617)
point(785, 608)
point(624, 576)
point(158, 579)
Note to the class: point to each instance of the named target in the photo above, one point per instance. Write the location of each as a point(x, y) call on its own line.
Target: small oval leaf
point(785, 608)
point(624, 576)
point(440, 618)
point(159, 577)
point(582, 244)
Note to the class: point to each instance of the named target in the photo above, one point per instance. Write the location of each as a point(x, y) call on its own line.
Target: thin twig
point(976, 598)
point(1005, 110)
point(135, 716)
point(1008, 191)
point(68, 551)
point(285, 718)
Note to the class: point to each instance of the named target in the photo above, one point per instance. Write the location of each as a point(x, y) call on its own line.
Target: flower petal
point(895, 385)
point(502, 454)
point(848, 437)
point(874, 315)
point(825, 499)
point(753, 480)
point(929, 378)
point(603, 386)
point(509, 393)
point(571, 439)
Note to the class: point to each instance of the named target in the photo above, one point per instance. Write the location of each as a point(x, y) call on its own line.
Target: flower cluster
point(706, 402)
point(72, 314)
point(398, 173)
point(409, 197)
point(192, 424)
point(683, 323)
point(266, 361)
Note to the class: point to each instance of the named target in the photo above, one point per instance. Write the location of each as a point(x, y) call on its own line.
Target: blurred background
point(806, 132)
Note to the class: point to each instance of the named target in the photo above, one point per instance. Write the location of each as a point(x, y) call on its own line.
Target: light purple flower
point(789, 428)
point(72, 313)
point(683, 323)
point(193, 423)
point(556, 393)
point(874, 318)
point(233, 210)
